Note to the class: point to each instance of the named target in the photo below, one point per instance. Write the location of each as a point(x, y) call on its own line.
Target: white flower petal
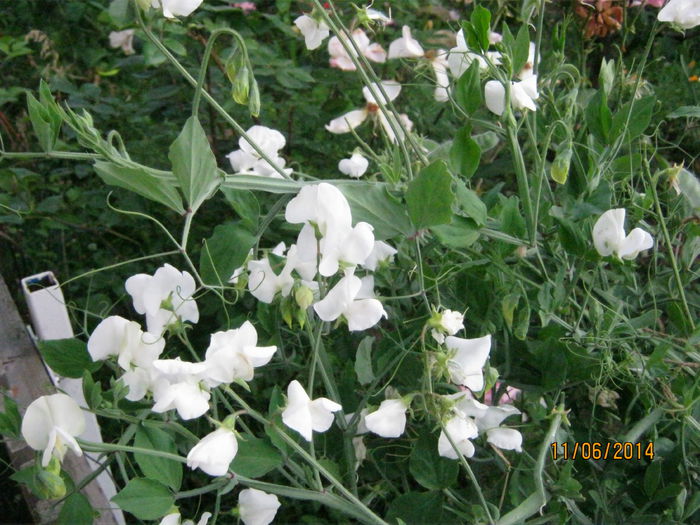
point(505, 439)
point(214, 452)
point(609, 231)
point(389, 420)
point(257, 507)
point(469, 357)
point(347, 122)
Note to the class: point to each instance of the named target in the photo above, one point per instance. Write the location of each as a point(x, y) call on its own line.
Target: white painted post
point(50, 320)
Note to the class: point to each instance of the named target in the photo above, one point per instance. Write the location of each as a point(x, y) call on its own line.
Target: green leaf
point(428, 468)
point(373, 204)
point(67, 357)
point(464, 153)
point(521, 49)
point(598, 116)
point(92, 391)
point(255, 457)
point(143, 181)
point(119, 11)
point(194, 164)
point(486, 141)
point(175, 46)
point(363, 361)
point(10, 420)
point(223, 252)
point(159, 469)
point(146, 499)
point(685, 112)
point(470, 204)
point(417, 508)
point(652, 478)
point(639, 113)
point(76, 510)
point(481, 22)
point(45, 126)
point(429, 196)
point(245, 204)
point(459, 234)
point(468, 88)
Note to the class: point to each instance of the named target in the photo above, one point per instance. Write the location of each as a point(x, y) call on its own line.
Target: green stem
point(537, 499)
point(471, 475)
point(330, 500)
point(669, 247)
point(521, 177)
point(70, 155)
point(211, 100)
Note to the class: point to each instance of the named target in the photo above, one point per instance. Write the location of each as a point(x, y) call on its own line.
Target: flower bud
point(304, 297)
point(560, 166)
point(50, 485)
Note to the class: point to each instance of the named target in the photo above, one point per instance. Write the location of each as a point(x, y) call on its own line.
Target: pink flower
point(508, 397)
point(247, 7)
point(652, 3)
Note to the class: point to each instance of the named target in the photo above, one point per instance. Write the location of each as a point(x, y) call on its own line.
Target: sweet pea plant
point(409, 347)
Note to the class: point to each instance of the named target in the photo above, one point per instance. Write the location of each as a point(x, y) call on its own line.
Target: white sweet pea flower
point(522, 95)
point(214, 452)
point(122, 39)
point(174, 518)
point(460, 58)
point(321, 204)
point(178, 387)
point(51, 424)
point(406, 46)
point(326, 207)
point(448, 322)
point(344, 299)
point(380, 252)
point(609, 236)
point(173, 8)
point(264, 283)
point(355, 166)
point(438, 61)
point(257, 507)
point(247, 161)
point(528, 69)
point(340, 58)
point(314, 31)
point(683, 13)
point(389, 420)
point(139, 380)
point(461, 430)
point(467, 360)
point(378, 17)
point(165, 297)
point(307, 416)
point(234, 354)
point(116, 336)
point(503, 438)
point(354, 118)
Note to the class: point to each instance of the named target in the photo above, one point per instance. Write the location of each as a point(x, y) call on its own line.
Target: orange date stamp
point(616, 451)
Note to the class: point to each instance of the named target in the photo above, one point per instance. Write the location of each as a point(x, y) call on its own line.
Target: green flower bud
point(304, 297)
point(50, 485)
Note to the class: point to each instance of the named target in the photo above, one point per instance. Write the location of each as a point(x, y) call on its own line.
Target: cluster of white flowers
point(328, 243)
point(247, 161)
point(470, 419)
